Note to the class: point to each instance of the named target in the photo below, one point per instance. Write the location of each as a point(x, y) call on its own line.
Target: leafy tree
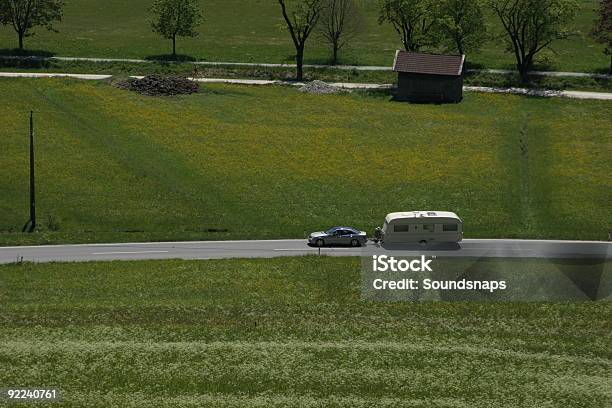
point(602, 32)
point(531, 26)
point(176, 18)
point(412, 19)
point(340, 21)
point(24, 15)
point(461, 24)
point(300, 23)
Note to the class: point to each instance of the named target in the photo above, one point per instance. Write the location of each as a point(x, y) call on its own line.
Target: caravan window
point(450, 227)
point(428, 227)
point(400, 228)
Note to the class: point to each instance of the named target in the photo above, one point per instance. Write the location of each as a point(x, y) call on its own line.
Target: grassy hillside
point(112, 28)
point(288, 332)
point(273, 162)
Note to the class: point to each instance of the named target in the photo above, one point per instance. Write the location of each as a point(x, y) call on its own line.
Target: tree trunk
point(299, 61)
point(335, 55)
point(174, 46)
point(523, 70)
point(20, 41)
point(459, 45)
point(610, 69)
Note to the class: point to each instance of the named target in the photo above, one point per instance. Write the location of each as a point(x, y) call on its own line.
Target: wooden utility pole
point(32, 222)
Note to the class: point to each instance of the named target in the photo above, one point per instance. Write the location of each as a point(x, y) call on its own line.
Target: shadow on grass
point(28, 63)
point(383, 94)
point(473, 65)
point(603, 71)
point(24, 59)
point(171, 58)
point(402, 99)
point(16, 52)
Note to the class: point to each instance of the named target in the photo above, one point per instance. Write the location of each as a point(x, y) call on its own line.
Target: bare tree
point(300, 22)
point(24, 15)
point(340, 21)
point(531, 26)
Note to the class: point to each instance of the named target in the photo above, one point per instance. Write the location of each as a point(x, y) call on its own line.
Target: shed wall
point(429, 88)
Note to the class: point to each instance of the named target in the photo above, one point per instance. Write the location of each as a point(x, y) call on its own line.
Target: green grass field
point(287, 332)
point(249, 162)
point(96, 28)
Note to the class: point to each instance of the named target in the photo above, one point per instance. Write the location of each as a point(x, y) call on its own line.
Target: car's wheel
point(355, 243)
point(320, 243)
point(423, 243)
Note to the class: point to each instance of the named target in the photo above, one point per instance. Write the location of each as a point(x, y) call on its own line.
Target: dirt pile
point(319, 87)
point(158, 85)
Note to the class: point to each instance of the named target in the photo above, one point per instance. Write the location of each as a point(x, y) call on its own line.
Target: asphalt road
point(276, 248)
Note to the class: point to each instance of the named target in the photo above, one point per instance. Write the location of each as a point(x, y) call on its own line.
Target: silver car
point(338, 236)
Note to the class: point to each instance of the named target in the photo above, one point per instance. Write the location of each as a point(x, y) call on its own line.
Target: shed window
point(450, 227)
point(400, 228)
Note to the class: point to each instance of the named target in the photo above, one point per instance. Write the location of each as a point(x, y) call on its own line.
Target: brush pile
point(319, 87)
point(158, 85)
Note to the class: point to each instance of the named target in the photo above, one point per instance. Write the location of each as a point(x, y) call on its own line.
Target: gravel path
point(340, 67)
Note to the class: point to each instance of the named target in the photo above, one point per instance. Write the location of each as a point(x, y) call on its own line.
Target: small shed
point(428, 78)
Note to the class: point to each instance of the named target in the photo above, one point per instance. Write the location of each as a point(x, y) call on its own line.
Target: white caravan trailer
point(422, 227)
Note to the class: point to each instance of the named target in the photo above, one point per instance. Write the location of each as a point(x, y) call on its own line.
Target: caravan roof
point(420, 214)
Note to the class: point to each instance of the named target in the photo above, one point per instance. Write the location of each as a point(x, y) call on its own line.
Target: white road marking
point(129, 252)
point(174, 243)
point(333, 249)
point(500, 248)
point(301, 249)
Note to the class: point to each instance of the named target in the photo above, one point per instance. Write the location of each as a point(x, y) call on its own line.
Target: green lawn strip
point(122, 69)
point(538, 82)
point(248, 162)
point(95, 28)
point(287, 332)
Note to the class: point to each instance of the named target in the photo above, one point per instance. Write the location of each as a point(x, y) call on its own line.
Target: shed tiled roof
point(433, 64)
